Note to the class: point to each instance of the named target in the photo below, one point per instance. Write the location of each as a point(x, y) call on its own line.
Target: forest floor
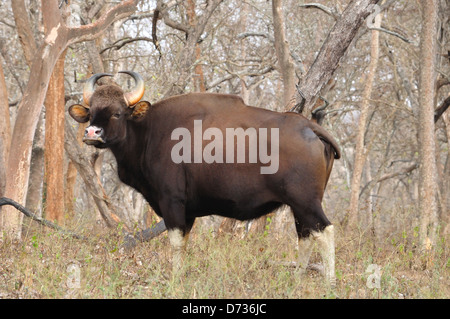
point(47, 265)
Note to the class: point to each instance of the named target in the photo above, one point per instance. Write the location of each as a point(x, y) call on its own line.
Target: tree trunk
point(17, 173)
point(5, 131)
point(333, 49)
point(54, 143)
point(71, 175)
point(24, 30)
point(360, 152)
point(35, 185)
point(198, 79)
point(29, 47)
point(445, 216)
point(287, 70)
point(285, 63)
point(427, 91)
point(442, 112)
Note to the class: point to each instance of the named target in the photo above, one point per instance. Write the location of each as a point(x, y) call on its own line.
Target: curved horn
point(88, 88)
point(138, 91)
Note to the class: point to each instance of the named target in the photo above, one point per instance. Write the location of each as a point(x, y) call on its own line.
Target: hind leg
point(312, 225)
point(325, 241)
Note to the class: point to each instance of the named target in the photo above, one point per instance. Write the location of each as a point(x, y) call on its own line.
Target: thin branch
point(232, 75)
point(140, 16)
point(244, 35)
point(442, 82)
point(162, 9)
point(7, 23)
point(297, 60)
point(321, 7)
point(441, 109)
point(403, 171)
point(122, 42)
point(204, 18)
point(93, 30)
point(398, 35)
point(220, 80)
point(371, 26)
point(154, 36)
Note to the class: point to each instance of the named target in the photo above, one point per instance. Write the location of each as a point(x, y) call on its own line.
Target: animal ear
point(79, 113)
point(140, 109)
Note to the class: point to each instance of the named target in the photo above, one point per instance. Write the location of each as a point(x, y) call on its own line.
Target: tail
point(326, 138)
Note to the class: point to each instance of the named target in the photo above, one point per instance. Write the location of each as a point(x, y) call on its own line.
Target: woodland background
point(386, 103)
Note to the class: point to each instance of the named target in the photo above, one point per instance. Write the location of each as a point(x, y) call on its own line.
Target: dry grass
point(41, 266)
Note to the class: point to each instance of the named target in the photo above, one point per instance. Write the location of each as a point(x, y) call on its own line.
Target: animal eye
point(116, 115)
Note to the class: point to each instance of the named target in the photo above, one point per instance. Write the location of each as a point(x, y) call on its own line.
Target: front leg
point(174, 214)
point(178, 238)
point(178, 242)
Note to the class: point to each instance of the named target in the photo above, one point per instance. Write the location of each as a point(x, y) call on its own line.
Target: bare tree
point(5, 130)
point(29, 46)
point(198, 78)
point(427, 147)
point(285, 63)
point(57, 38)
point(332, 50)
point(360, 151)
point(54, 143)
point(193, 33)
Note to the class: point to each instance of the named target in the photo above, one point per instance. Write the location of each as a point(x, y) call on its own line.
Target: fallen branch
point(130, 241)
point(42, 221)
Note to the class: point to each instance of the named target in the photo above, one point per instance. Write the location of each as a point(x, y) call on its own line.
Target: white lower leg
point(325, 240)
point(305, 246)
point(178, 243)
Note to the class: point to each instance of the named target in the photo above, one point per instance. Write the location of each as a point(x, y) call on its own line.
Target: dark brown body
point(181, 192)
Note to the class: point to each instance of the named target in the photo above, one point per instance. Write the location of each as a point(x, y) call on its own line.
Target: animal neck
point(132, 161)
point(128, 151)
